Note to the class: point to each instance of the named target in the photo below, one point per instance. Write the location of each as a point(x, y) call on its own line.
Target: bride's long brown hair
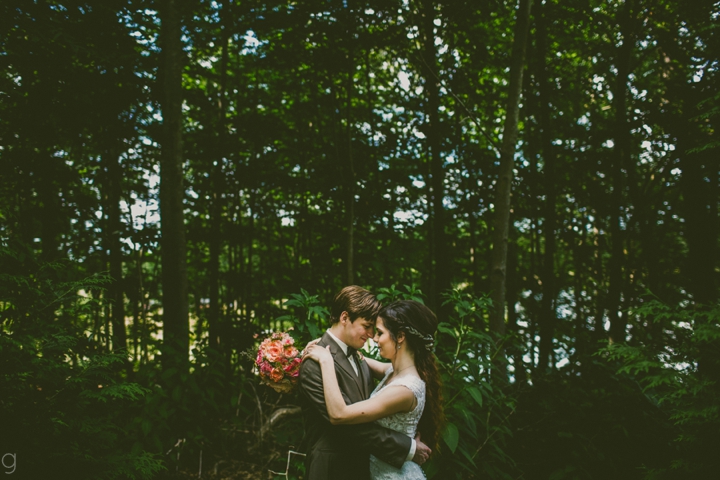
point(419, 324)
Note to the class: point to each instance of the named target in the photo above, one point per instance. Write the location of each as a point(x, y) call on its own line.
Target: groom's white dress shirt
point(344, 347)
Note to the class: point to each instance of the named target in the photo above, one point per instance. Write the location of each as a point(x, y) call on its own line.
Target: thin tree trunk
point(700, 220)
point(505, 177)
point(50, 215)
point(581, 340)
point(474, 272)
point(174, 267)
point(215, 320)
point(513, 293)
point(619, 161)
point(249, 269)
point(548, 316)
point(701, 228)
point(351, 181)
point(599, 293)
point(440, 279)
point(114, 225)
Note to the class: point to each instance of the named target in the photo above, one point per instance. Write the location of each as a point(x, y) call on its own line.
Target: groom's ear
point(344, 317)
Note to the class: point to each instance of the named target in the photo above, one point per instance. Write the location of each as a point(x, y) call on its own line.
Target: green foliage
point(391, 294)
point(65, 404)
point(312, 318)
point(478, 409)
point(680, 376)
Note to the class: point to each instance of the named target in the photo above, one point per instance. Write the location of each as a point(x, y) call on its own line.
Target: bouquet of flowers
point(279, 362)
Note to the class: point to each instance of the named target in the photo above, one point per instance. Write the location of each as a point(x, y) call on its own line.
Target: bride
point(408, 398)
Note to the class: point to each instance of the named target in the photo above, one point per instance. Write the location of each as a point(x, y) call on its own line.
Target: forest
point(179, 179)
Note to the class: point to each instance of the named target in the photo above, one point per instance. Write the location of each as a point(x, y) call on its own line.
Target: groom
point(343, 451)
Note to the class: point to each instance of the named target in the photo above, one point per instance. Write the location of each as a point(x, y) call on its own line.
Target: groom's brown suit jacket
point(343, 451)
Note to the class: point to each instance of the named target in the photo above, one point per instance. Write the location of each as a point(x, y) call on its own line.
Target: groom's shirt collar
point(343, 346)
point(340, 343)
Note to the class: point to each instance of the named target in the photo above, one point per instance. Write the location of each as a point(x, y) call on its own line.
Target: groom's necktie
point(352, 353)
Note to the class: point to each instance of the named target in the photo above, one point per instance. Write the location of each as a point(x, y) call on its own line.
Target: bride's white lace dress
point(400, 422)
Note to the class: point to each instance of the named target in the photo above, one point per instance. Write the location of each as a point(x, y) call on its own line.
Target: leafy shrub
point(678, 373)
point(477, 408)
point(64, 406)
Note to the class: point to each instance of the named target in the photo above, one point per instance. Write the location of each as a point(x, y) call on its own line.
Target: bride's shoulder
point(411, 381)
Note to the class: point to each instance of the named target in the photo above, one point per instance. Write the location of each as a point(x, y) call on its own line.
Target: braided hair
point(419, 324)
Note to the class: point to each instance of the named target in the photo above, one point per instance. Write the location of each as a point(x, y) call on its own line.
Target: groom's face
point(356, 333)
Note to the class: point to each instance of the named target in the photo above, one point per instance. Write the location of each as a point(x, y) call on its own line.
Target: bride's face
point(385, 343)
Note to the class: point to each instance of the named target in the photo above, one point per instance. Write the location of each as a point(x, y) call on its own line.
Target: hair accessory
point(428, 339)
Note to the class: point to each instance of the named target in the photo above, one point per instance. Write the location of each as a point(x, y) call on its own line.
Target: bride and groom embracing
point(353, 429)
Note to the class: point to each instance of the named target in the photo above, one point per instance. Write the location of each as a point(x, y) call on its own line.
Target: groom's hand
point(422, 451)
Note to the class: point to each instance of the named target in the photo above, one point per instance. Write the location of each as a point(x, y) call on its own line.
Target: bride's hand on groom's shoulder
point(305, 350)
point(317, 353)
point(310, 344)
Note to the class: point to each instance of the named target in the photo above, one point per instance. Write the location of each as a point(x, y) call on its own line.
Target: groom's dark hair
point(357, 302)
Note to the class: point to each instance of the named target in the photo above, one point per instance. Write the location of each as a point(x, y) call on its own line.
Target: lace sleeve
point(414, 384)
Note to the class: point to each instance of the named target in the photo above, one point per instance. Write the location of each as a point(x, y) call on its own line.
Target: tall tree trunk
point(217, 186)
point(474, 272)
point(598, 293)
point(505, 176)
point(50, 212)
point(580, 309)
point(513, 294)
point(700, 212)
point(174, 266)
point(620, 161)
point(700, 207)
point(351, 181)
point(248, 277)
point(548, 316)
point(113, 189)
point(439, 256)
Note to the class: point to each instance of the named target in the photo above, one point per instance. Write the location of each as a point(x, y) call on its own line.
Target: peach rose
point(276, 374)
point(274, 352)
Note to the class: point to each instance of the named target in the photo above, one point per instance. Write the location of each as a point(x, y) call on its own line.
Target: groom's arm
point(386, 444)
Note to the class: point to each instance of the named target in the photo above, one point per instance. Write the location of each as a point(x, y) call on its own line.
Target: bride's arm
point(378, 369)
point(391, 400)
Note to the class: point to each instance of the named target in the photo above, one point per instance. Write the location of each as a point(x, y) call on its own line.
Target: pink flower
point(276, 374)
point(274, 352)
point(277, 358)
point(293, 368)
